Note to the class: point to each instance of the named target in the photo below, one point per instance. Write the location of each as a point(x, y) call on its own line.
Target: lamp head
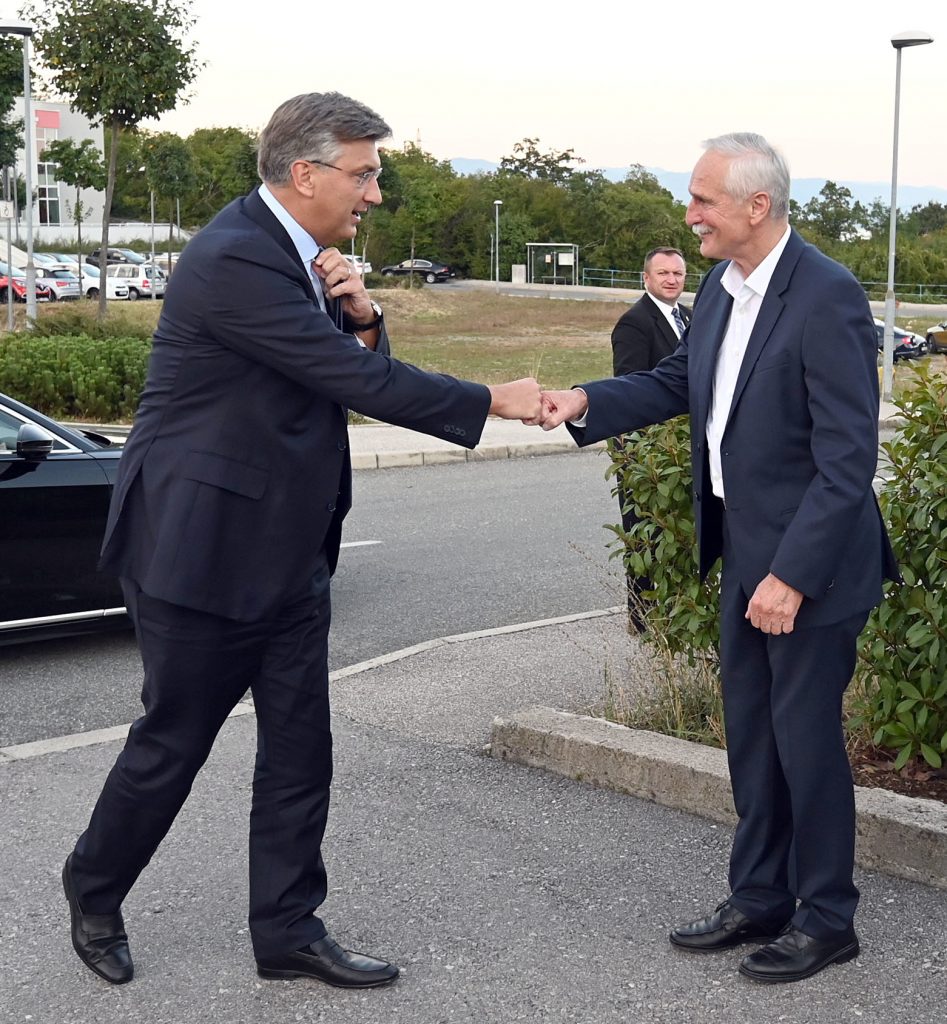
point(903, 39)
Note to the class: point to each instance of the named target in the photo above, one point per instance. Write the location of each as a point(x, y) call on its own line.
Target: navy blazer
point(237, 474)
point(800, 447)
point(643, 336)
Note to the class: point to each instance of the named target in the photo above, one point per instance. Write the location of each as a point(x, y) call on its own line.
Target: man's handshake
point(523, 400)
point(559, 407)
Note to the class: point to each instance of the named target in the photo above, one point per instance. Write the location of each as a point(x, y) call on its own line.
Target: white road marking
point(58, 744)
point(359, 543)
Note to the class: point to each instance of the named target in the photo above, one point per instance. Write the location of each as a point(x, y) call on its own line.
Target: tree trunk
point(106, 216)
point(79, 238)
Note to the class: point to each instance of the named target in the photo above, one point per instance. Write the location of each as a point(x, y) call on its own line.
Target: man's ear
point(303, 177)
point(760, 206)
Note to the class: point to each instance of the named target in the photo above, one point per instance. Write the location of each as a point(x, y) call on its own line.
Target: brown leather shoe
point(99, 939)
point(327, 961)
point(724, 928)
point(795, 955)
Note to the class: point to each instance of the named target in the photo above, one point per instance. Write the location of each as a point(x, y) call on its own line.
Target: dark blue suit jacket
point(800, 447)
point(237, 472)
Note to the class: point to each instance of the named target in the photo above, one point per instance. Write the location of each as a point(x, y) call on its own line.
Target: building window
point(47, 190)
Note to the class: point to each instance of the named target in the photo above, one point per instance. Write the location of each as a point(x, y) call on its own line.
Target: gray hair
point(313, 126)
point(755, 166)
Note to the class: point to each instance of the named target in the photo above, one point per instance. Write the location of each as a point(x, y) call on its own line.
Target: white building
point(53, 209)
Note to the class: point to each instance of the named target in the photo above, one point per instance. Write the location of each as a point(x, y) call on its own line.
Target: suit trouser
point(197, 667)
point(791, 779)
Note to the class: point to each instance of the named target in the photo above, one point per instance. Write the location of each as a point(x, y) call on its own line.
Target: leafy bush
point(80, 320)
point(75, 377)
point(652, 468)
point(903, 651)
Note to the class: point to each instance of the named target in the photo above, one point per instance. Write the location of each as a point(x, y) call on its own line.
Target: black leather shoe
point(724, 928)
point(327, 961)
point(795, 955)
point(99, 939)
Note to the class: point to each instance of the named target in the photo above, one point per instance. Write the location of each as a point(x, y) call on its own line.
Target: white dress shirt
point(307, 247)
point(668, 312)
point(747, 298)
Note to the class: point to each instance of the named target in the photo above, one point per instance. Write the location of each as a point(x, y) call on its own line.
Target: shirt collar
point(758, 281)
point(305, 244)
point(665, 307)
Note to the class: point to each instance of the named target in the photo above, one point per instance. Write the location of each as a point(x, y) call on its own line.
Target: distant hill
point(803, 189)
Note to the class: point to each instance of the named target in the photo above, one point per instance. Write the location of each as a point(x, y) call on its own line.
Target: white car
point(362, 266)
point(142, 282)
point(60, 279)
point(91, 282)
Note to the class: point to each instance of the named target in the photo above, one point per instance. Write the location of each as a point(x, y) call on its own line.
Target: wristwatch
point(372, 324)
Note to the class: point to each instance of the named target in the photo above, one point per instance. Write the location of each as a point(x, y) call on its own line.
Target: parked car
point(57, 257)
point(143, 282)
point(62, 282)
point(937, 337)
point(55, 486)
point(116, 255)
point(907, 345)
point(359, 264)
point(430, 270)
point(92, 280)
point(17, 281)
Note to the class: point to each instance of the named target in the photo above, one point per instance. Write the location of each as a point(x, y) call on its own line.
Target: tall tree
point(119, 62)
point(526, 160)
point(170, 170)
point(79, 166)
point(224, 168)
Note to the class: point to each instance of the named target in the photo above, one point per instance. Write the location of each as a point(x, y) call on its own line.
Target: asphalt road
point(450, 549)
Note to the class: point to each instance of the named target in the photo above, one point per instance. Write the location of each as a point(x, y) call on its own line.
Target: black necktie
point(679, 320)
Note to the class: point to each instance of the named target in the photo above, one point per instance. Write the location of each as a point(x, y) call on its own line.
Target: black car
point(906, 344)
point(430, 270)
point(55, 485)
point(117, 255)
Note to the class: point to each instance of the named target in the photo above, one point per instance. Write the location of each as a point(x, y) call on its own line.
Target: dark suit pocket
point(773, 363)
point(228, 474)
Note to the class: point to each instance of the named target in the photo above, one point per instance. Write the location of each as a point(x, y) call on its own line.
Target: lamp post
point(497, 203)
point(899, 42)
point(20, 28)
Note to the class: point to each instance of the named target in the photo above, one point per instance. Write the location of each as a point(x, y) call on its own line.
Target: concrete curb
point(899, 835)
point(484, 453)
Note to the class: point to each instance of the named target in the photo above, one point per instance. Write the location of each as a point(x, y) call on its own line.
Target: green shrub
point(75, 377)
point(80, 320)
point(903, 650)
point(653, 468)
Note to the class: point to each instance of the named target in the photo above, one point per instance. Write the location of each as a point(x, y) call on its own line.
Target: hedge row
point(75, 377)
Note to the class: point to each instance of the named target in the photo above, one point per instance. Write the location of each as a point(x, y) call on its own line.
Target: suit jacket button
point(330, 507)
point(342, 446)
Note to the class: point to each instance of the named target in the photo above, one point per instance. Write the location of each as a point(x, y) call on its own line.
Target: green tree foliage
point(81, 167)
point(11, 86)
point(224, 161)
point(526, 161)
point(119, 62)
point(833, 215)
point(169, 169)
point(903, 665)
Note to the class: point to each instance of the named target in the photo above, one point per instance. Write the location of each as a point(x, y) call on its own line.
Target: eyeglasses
point(362, 178)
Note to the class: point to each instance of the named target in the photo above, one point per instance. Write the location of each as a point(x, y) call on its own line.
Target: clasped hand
point(557, 407)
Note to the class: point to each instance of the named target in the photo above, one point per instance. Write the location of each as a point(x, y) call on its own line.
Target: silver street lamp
point(20, 28)
point(899, 42)
point(497, 203)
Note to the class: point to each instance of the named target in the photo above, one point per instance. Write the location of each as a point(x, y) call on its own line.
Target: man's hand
point(518, 400)
point(342, 281)
point(773, 606)
point(559, 406)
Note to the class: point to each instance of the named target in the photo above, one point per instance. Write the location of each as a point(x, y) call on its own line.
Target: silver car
point(61, 280)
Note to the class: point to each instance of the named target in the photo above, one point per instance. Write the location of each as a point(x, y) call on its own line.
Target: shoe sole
point(72, 901)
point(272, 974)
point(841, 957)
point(760, 940)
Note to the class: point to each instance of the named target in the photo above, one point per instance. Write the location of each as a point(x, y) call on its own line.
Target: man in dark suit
point(643, 336)
point(649, 330)
point(225, 527)
point(777, 371)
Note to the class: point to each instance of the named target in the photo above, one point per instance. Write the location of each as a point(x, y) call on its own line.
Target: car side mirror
point(32, 442)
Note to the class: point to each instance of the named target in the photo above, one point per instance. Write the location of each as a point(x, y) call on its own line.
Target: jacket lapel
point(709, 322)
point(770, 310)
point(262, 216)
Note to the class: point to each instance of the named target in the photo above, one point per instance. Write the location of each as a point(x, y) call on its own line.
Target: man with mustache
point(778, 373)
